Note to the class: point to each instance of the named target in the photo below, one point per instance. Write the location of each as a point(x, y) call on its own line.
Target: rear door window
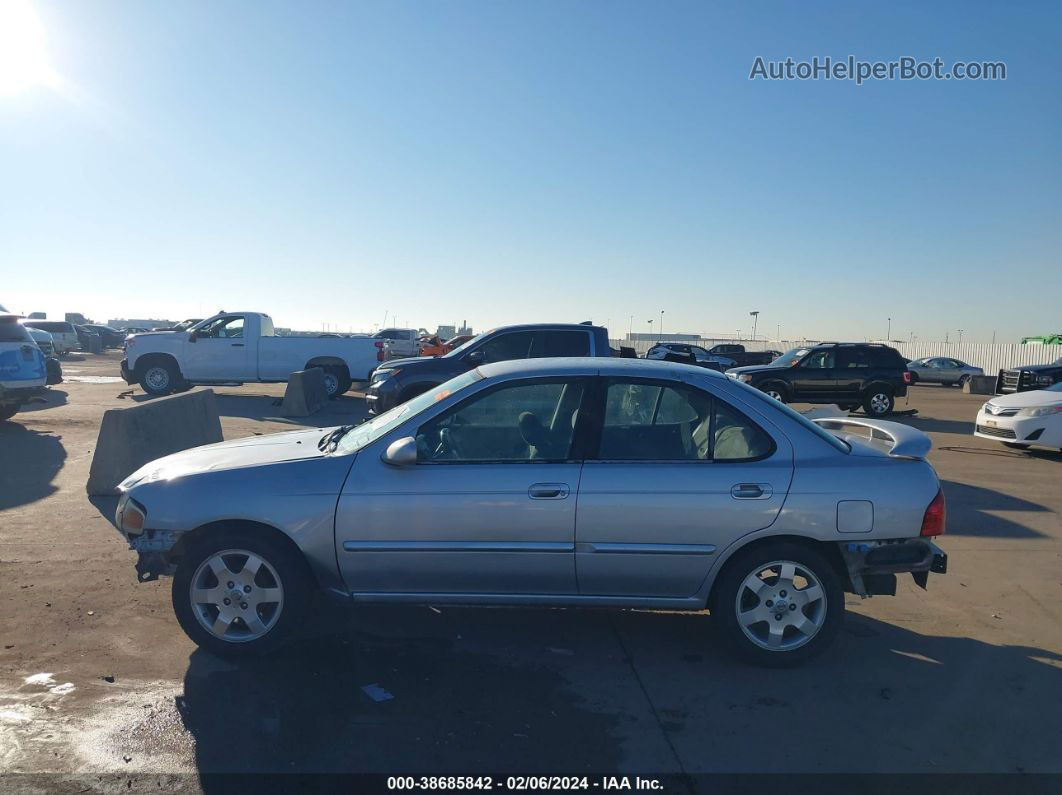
point(513, 345)
point(560, 343)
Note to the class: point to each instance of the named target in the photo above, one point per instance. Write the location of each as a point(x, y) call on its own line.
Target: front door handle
point(237, 345)
point(548, 491)
point(751, 491)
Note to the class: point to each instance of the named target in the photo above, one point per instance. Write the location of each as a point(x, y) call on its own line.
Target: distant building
point(76, 317)
point(446, 332)
point(38, 316)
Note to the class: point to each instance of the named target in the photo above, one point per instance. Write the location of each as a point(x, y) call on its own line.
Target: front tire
point(160, 378)
point(240, 593)
point(778, 604)
point(963, 381)
point(776, 391)
point(879, 402)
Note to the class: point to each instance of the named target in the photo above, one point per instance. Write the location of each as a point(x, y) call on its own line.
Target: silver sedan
point(942, 370)
point(580, 482)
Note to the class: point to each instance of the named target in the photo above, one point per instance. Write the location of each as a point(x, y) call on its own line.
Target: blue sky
point(328, 162)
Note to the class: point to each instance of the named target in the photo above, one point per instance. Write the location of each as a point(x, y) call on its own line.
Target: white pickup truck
point(241, 347)
point(399, 343)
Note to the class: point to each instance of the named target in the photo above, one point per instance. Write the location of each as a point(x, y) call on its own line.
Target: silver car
point(580, 482)
point(942, 370)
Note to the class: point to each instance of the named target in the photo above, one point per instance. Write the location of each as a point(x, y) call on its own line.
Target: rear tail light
point(907, 376)
point(379, 351)
point(935, 517)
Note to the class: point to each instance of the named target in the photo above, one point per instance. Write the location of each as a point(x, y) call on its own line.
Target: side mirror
point(192, 336)
point(475, 358)
point(401, 452)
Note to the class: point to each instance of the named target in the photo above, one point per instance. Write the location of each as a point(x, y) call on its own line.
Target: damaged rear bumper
point(873, 565)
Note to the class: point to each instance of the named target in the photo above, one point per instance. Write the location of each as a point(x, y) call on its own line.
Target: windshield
point(814, 427)
point(462, 348)
point(791, 358)
point(367, 433)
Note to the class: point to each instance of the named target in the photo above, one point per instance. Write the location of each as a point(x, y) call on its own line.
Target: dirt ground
point(97, 678)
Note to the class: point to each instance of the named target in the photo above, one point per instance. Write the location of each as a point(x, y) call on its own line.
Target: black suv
point(849, 374)
point(397, 380)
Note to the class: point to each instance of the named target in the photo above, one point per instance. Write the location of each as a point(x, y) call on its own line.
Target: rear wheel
point(336, 381)
point(240, 593)
point(878, 402)
point(963, 381)
point(779, 603)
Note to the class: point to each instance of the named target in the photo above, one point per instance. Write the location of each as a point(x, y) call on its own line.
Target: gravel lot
point(96, 676)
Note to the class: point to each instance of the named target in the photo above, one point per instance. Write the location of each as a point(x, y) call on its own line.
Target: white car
point(1023, 419)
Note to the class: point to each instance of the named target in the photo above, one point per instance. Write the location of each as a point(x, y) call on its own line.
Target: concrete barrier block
point(305, 393)
point(980, 385)
point(130, 438)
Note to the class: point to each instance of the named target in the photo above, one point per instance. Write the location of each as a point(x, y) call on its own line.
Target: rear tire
point(160, 378)
point(806, 601)
point(337, 381)
point(878, 402)
point(265, 608)
point(963, 381)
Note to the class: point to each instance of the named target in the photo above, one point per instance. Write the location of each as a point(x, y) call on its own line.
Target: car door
point(815, 377)
point(489, 507)
point(677, 473)
point(950, 371)
point(220, 352)
point(853, 365)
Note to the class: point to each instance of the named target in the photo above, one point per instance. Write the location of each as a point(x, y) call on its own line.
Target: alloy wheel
point(879, 403)
point(781, 606)
point(236, 595)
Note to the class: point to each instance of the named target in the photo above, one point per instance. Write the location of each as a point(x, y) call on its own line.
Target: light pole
point(960, 336)
point(630, 329)
point(888, 334)
point(755, 319)
point(660, 328)
point(650, 328)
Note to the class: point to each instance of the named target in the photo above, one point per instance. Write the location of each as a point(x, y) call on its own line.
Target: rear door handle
point(751, 491)
point(548, 491)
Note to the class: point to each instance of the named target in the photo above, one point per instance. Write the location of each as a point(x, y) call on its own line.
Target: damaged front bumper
point(873, 565)
point(153, 549)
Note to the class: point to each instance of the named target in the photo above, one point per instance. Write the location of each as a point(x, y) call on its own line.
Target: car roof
point(534, 326)
point(592, 365)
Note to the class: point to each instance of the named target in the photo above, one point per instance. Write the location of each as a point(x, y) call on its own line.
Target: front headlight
point(380, 375)
point(1040, 411)
point(745, 379)
point(131, 517)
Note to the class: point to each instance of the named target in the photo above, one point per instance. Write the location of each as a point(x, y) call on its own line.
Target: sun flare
point(24, 62)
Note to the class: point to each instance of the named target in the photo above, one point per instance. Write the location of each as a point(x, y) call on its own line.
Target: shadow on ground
point(30, 460)
point(969, 507)
point(533, 690)
point(51, 398)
